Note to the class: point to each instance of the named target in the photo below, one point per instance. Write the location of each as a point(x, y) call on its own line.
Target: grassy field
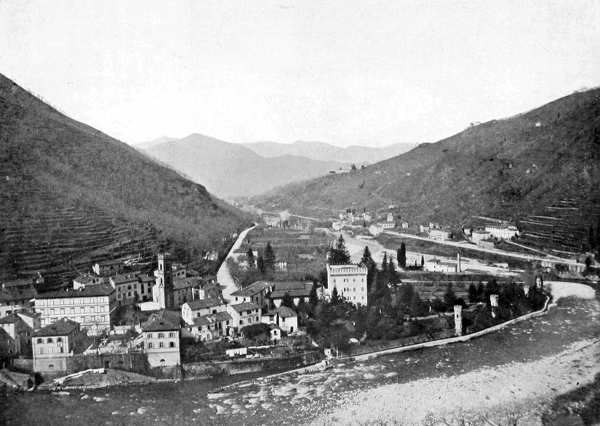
point(304, 252)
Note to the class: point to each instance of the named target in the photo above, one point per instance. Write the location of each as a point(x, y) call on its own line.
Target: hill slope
point(67, 189)
point(324, 151)
point(231, 170)
point(508, 168)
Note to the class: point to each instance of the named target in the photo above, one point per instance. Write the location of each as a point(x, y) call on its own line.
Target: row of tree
point(264, 262)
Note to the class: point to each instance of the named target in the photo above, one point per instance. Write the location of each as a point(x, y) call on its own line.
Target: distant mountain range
point(233, 170)
point(69, 191)
point(507, 168)
point(323, 151)
point(240, 170)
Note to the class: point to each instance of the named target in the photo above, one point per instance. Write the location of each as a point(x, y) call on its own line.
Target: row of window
point(81, 320)
point(51, 350)
point(171, 335)
point(71, 301)
point(49, 340)
point(162, 345)
point(74, 310)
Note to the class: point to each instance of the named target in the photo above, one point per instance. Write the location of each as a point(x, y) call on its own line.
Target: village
point(291, 292)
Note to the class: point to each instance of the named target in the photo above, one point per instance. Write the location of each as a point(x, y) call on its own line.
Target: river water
point(305, 398)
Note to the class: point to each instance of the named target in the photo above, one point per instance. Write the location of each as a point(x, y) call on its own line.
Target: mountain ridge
point(67, 190)
point(507, 167)
point(233, 170)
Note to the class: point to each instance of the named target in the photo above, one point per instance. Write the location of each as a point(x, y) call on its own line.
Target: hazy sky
point(345, 72)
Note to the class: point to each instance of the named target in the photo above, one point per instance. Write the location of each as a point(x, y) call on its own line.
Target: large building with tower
point(350, 282)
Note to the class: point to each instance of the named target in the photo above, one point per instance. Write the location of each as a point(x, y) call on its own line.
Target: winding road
point(224, 276)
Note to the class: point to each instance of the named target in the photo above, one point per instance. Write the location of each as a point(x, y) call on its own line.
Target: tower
point(458, 320)
point(164, 283)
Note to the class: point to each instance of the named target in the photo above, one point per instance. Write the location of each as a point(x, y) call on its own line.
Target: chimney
point(458, 320)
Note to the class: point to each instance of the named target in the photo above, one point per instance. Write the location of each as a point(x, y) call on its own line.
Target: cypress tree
point(401, 256)
point(250, 255)
point(269, 257)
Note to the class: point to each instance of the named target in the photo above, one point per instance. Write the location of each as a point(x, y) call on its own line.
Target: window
point(171, 344)
point(149, 335)
point(149, 345)
point(161, 344)
point(59, 339)
point(161, 335)
point(39, 340)
point(49, 340)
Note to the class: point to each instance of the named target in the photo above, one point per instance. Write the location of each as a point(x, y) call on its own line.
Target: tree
point(335, 297)
point(588, 263)
point(449, 296)
point(338, 255)
point(401, 256)
point(473, 297)
point(422, 261)
point(353, 167)
point(384, 264)
point(313, 298)
point(260, 264)
point(269, 257)
point(367, 260)
point(250, 255)
point(287, 301)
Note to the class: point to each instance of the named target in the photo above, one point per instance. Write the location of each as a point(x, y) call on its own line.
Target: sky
point(344, 72)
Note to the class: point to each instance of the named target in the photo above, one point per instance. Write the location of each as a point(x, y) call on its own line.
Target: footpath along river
point(527, 363)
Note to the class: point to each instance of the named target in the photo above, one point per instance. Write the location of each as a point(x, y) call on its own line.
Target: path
point(224, 276)
point(466, 245)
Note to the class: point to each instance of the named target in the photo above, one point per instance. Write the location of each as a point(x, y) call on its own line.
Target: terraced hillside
point(509, 169)
point(69, 193)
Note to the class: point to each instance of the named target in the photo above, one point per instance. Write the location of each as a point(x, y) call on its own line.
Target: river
point(553, 347)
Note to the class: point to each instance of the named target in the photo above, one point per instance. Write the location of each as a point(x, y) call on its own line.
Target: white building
point(244, 314)
point(201, 307)
point(439, 234)
point(52, 345)
point(283, 317)
point(502, 232)
point(91, 307)
point(478, 235)
point(436, 265)
point(161, 342)
point(297, 290)
point(350, 281)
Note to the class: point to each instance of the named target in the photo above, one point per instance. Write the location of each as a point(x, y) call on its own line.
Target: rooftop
point(212, 318)
point(253, 289)
point(93, 291)
point(161, 321)
point(245, 306)
point(293, 288)
point(204, 303)
point(62, 327)
point(286, 312)
point(127, 277)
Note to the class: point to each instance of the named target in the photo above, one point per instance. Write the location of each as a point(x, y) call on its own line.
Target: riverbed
point(564, 341)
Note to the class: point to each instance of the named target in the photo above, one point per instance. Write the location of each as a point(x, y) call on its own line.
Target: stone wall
point(132, 361)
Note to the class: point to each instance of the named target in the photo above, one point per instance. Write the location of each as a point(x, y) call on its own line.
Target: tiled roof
point(159, 322)
point(10, 319)
point(286, 312)
point(245, 306)
point(62, 327)
point(92, 291)
point(127, 277)
point(253, 289)
point(204, 303)
point(212, 318)
point(293, 288)
point(181, 283)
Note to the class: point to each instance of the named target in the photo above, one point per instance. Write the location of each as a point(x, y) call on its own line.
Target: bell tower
point(164, 282)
